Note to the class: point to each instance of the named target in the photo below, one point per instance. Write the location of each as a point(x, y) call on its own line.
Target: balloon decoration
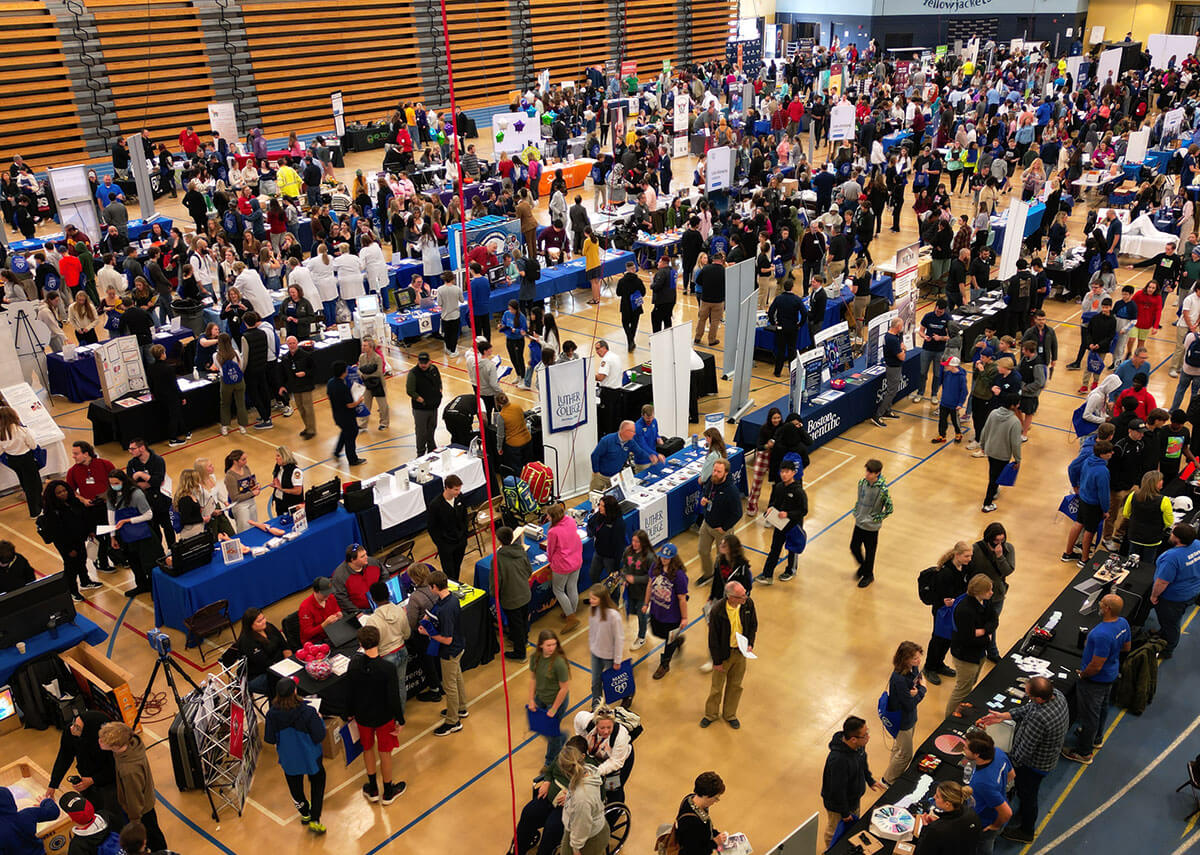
point(499, 136)
point(518, 126)
point(441, 137)
point(547, 118)
point(531, 112)
point(502, 124)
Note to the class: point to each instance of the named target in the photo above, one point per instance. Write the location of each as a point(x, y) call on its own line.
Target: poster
point(339, 113)
point(811, 366)
point(1097, 35)
point(223, 120)
point(653, 519)
point(841, 122)
point(33, 413)
point(618, 111)
point(876, 327)
point(1172, 123)
point(680, 124)
point(718, 172)
point(567, 395)
point(835, 80)
point(119, 366)
point(905, 290)
point(900, 76)
point(1139, 141)
point(834, 342)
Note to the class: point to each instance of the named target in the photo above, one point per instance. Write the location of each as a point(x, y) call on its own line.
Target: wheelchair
point(616, 814)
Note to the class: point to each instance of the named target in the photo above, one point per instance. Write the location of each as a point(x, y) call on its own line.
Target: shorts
point(593, 273)
point(1142, 334)
point(1029, 404)
point(1089, 515)
point(384, 735)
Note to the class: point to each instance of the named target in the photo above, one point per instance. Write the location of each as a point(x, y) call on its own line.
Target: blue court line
point(358, 448)
point(112, 639)
point(580, 667)
point(182, 817)
point(845, 438)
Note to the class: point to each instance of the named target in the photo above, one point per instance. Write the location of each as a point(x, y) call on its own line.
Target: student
point(550, 686)
point(1175, 444)
point(297, 732)
point(448, 633)
point(906, 689)
point(632, 292)
point(666, 603)
point(65, 520)
point(974, 623)
point(872, 506)
point(1125, 310)
point(1101, 330)
point(374, 705)
point(1093, 501)
point(954, 395)
point(790, 502)
point(981, 393)
point(934, 334)
point(18, 444)
point(514, 569)
point(1000, 441)
point(515, 328)
point(135, 781)
point(1033, 380)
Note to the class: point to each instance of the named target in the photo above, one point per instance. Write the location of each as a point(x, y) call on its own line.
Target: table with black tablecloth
point(78, 379)
point(256, 580)
point(825, 421)
point(203, 402)
point(63, 638)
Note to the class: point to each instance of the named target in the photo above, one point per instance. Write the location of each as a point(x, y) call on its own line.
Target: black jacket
point(719, 629)
point(67, 524)
point(299, 362)
point(425, 384)
point(339, 396)
point(845, 777)
point(950, 584)
point(260, 653)
point(712, 283)
point(608, 535)
point(163, 385)
point(953, 833)
point(136, 321)
point(627, 286)
point(84, 751)
point(970, 615)
point(694, 835)
point(789, 437)
point(724, 506)
point(447, 525)
point(791, 499)
point(374, 696)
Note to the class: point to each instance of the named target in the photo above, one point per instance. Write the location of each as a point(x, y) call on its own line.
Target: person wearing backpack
point(940, 587)
point(233, 384)
point(1190, 376)
point(906, 689)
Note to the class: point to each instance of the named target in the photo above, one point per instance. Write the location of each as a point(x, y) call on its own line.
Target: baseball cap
point(78, 808)
point(1137, 424)
point(952, 362)
point(668, 551)
point(988, 351)
point(422, 357)
point(322, 585)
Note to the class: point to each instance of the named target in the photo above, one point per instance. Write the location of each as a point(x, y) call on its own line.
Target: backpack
point(231, 372)
point(1192, 355)
point(540, 479)
point(517, 496)
point(667, 843)
point(926, 580)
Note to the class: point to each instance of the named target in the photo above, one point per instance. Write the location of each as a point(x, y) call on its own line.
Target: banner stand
point(568, 400)
point(740, 401)
point(671, 379)
point(739, 281)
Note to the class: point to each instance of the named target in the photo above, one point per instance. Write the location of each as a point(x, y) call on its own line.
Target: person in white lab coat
point(321, 268)
point(253, 291)
point(373, 264)
point(348, 269)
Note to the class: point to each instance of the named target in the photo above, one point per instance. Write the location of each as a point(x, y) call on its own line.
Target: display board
point(1169, 50)
point(1139, 141)
point(841, 122)
point(740, 401)
point(73, 199)
point(120, 368)
point(876, 327)
point(222, 118)
point(739, 281)
point(1014, 236)
point(904, 290)
point(339, 113)
point(682, 106)
point(498, 234)
point(1172, 124)
point(618, 113)
point(1109, 68)
point(513, 132)
point(671, 357)
point(811, 366)
point(718, 168)
point(1097, 35)
point(33, 413)
point(834, 342)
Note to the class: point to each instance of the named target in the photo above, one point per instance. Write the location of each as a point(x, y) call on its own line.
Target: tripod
point(34, 346)
point(165, 663)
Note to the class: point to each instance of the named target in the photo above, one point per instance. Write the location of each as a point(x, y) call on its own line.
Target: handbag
point(39, 457)
point(890, 718)
point(943, 620)
point(131, 532)
point(1095, 362)
point(618, 682)
point(1008, 475)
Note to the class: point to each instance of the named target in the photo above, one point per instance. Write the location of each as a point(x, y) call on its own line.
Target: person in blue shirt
point(989, 786)
point(515, 328)
point(1093, 493)
point(612, 452)
point(893, 360)
point(788, 313)
point(447, 631)
point(481, 299)
point(1176, 583)
point(934, 332)
point(647, 437)
point(954, 396)
point(1100, 665)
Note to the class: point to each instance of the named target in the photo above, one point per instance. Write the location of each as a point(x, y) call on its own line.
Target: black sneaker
point(446, 728)
point(430, 696)
point(391, 792)
point(77, 597)
point(175, 443)
point(1068, 557)
point(264, 425)
point(932, 677)
point(461, 713)
point(370, 791)
point(947, 671)
point(878, 422)
point(1017, 835)
point(90, 583)
point(764, 579)
point(787, 575)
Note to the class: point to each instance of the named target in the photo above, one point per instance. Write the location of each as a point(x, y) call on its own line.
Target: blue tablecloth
point(64, 638)
point(78, 380)
point(137, 230)
point(825, 422)
point(259, 581)
point(894, 139)
point(1032, 221)
point(542, 599)
point(835, 312)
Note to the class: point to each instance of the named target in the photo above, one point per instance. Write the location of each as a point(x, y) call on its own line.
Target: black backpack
point(926, 582)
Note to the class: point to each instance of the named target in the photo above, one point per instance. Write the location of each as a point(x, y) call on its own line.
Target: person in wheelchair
point(610, 747)
point(541, 822)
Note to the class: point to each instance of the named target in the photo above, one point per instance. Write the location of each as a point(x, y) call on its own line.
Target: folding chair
point(206, 622)
point(1193, 781)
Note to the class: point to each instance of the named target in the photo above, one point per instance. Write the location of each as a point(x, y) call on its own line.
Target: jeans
point(425, 425)
point(1170, 616)
point(1029, 781)
point(554, 744)
point(598, 667)
point(1185, 381)
point(602, 567)
point(399, 658)
point(329, 307)
point(935, 654)
point(987, 842)
point(863, 544)
point(450, 333)
point(1091, 713)
point(934, 358)
point(566, 591)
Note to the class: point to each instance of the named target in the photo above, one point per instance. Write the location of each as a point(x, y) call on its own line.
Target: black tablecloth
point(377, 539)
point(1073, 280)
point(366, 137)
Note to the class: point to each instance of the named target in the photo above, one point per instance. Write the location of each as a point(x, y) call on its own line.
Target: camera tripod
point(165, 663)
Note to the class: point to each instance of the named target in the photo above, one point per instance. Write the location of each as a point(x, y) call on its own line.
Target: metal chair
point(206, 622)
point(1193, 781)
point(399, 559)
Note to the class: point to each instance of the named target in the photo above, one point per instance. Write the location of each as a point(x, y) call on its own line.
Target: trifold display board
point(1014, 236)
point(671, 361)
point(568, 396)
point(515, 131)
point(119, 364)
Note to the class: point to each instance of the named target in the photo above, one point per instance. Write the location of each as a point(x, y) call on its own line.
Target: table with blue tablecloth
point(824, 422)
point(256, 581)
point(542, 599)
point(138, 229)
point(1033, 220)
point(63, 638)
point(835, 312)
point(894, 139)
point(77, 379)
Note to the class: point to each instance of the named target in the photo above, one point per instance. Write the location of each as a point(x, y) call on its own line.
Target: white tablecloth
point(462, 464)
point(400, 506)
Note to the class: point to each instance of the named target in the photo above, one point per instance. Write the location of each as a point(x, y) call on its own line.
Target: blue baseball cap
point(668, 551)
point(988, 351)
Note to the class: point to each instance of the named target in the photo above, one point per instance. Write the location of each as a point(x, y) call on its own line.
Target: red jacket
point(71, 270)
point(312, 616)
point(1145, 400)
point(795, 109)
point(189, 142)
point(89, 481)
point(1149, 308)
point(404, 140)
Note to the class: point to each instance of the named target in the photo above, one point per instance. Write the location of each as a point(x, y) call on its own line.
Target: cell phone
point(74, 780)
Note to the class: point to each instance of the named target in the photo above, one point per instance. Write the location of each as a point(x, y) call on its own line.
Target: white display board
point(671, 356)
point(740, 401)
point(718, 169)
point(1139, 141)
point(1164, 47)
point(1096, 36)
point(33, 413)
point(568, 397)
point(1014, 235)
point(70, 183)
point(739, 282)
point(119, 365)
point(841, 121)
point(1108, 69)
point(339, 113)
point(682, 106)
point(1073, 65)
point(222, 118)
point(520, 131)
point(1172, 124)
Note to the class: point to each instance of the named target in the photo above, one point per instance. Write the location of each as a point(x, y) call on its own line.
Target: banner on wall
point(339, 113)
point(1097, 35)
point(679, 123)
point(841, 122)
point(900, 75)
point(618, 111)
point(222, 118)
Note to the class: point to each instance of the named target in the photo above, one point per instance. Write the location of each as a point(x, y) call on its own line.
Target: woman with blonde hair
point(321, 268)
point(974, 623)
point(585, 831)
point(214, 498)
point(1150, 514)
point(135, 781)
point(906, 689)
point(606, 638)
point(370, 369)
point(82, 315)
point(952, 827)
point(287, 481)
point(949, 583)
point(188, 504)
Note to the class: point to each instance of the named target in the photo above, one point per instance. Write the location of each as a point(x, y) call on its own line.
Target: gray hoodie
point(392, 623)
point(1001, 435)
point(583, 812)
point(874, 504)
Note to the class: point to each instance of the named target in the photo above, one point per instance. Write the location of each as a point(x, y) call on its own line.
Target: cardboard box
point(27, 781)
point(331, 746)
point(790, 186)
point(104, 683)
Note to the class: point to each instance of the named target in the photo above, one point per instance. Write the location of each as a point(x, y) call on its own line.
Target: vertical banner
point(835, 80)
point(718, 170)
point(671, 380)
point(569, 408)
point(1014, 235)
point(223, 120)
point(740, 401)
point(339, 113)
point(739, 280)
point(905, 290)
point(1139, 141)
point(679, 123)
point(618, 109)
point(811, 365)
point(876, 327)
point(841, 122)
point(795, 385)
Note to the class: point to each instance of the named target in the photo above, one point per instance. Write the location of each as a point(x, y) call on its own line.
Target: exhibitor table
point(1032, 221)
point(256, 580)
point(835, 312)
point(574, 173)
point(136, 231)
point(825, 421)
point(539, 584)
point(63, 638)
point(77, 379)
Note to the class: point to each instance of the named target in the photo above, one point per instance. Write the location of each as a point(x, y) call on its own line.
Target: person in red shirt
point(243, 202)
point(88, 478)
point(71, 270)
point(189, 141)
point(353, 579)
point(1139, 392)
point(318, 611)
point(480, 253)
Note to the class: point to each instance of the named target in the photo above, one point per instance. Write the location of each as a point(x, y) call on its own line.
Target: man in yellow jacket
point(289, 180)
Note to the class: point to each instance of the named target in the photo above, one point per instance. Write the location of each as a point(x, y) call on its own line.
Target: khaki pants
point(833, 272)
point(304, 403)
point(708, 537)
point(726, 690)
point(860, 312)
point(1116, 520)
point(368, 397)
point(712, 313)
point(832, 818)
point(902, 753)
point(1177, 356)
point(453, 686)
point(234, 394)
point(968, 673)
point(600, 483)
point(766, 291)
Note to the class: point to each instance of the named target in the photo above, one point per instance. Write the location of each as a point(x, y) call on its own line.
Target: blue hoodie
point(1094, 482)
point(954, 388)
point(297, 735)
point(1075, 467)
point(18, 828)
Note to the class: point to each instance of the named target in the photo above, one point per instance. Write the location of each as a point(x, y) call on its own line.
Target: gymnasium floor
point(825, 646)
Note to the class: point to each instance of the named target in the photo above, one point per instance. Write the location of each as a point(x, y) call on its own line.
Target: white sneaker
point(977, 452)
point(224, 430)
point(287, 411)
point(706, 668)
point(916, 399)
point(241, 429)
point(1173, 373)
point(637, 642)
point(972, 445)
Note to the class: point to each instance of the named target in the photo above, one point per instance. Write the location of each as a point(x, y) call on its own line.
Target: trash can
point(191, 314)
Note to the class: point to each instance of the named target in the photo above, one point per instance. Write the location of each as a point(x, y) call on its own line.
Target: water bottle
point(968, 771)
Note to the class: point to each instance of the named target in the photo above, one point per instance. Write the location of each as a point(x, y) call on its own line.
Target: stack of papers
point(339, 663)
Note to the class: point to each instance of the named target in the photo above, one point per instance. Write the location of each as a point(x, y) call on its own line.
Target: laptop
point(342, 632)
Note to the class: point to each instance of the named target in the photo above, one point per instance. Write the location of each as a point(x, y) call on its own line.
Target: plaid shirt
point(1041, 729)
